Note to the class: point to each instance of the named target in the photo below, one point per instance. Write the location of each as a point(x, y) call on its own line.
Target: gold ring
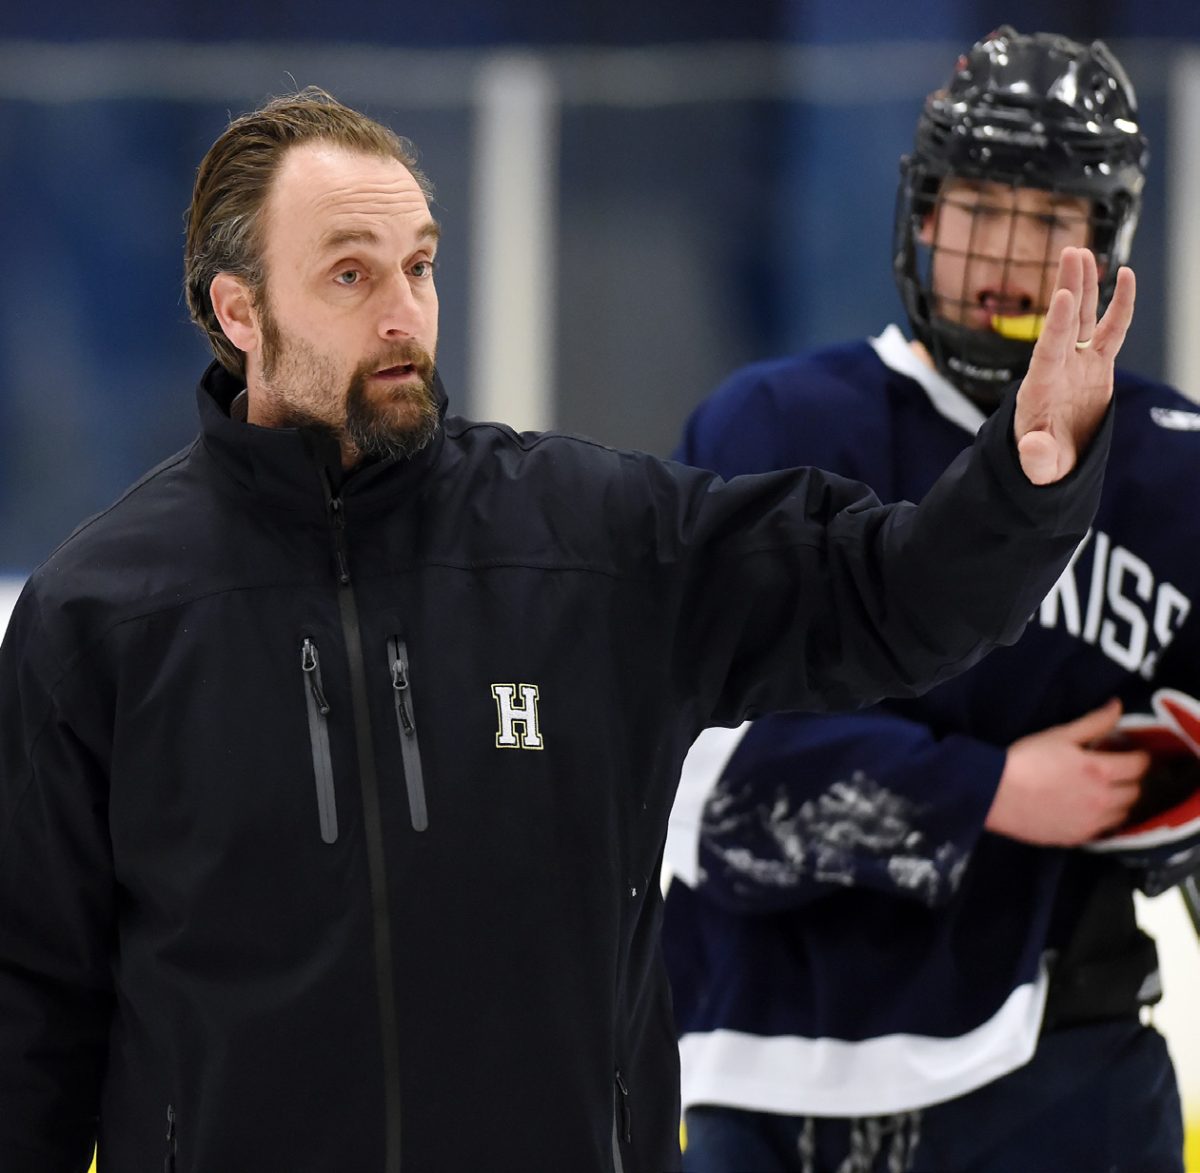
point(1084, 344)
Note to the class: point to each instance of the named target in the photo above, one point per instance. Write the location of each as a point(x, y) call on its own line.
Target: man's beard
point(372, 427)
point(398, 421)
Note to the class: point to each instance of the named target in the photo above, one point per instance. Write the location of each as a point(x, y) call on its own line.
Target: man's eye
point(348, 277)
point(422, 269)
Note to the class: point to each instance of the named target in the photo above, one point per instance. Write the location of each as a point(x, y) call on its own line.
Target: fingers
point(1113, 817)
point(1066, 390)
point(1071, 315)
point(1060, 330)
point(1089, 298)
point(1111, 330)
point(1094, 725)
point(1122, 769)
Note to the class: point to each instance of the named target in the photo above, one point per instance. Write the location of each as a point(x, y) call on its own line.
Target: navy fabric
point(921, 922)
point(1100, 1097)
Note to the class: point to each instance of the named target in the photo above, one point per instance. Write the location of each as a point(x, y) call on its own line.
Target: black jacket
point(275, 894)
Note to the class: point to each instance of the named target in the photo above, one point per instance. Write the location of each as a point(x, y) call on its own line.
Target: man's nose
point(401, 312)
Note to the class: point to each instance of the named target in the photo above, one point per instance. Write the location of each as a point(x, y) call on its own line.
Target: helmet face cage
point(1011, 164)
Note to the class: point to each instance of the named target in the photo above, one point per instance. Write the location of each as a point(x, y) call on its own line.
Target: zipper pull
point(626, 1114)
point(308, 663)
point(400, 684)
point(337, 516)
point(169, 1163)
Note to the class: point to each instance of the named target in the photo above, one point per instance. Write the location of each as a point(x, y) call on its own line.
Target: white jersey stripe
point(895, 351)
point(831, 1077)
point(702, 769)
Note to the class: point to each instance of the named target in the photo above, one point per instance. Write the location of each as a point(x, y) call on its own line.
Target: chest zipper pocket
point(318, 734)
point(169, 1162)
point(406, 723)
point(622, 1121)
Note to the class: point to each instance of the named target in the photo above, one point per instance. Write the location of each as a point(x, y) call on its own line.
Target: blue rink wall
point(704, 203)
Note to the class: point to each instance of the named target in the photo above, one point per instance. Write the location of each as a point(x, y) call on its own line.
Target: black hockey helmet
point(1037, 111)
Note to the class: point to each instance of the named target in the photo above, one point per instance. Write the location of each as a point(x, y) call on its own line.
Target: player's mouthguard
point(1022, 327)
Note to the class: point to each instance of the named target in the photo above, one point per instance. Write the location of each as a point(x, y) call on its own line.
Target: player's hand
point(1063, 397)
point(1056, 791)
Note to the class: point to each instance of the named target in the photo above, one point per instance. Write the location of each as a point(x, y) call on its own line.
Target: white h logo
point(511, 716)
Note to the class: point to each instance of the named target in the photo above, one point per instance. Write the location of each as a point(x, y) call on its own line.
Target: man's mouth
point(1005, 305)
point(400, 371)
point(1010, 315)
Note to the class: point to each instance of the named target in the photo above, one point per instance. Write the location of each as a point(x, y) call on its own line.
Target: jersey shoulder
point(1155, 410)
point(788, 411)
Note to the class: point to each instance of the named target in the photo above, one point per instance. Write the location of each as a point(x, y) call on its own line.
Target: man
point(882, 955)
point(336, 756)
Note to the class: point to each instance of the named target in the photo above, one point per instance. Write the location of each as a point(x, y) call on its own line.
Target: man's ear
point(925, 236)
point(233, 304)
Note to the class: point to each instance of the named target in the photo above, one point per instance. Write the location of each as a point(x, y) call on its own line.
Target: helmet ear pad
point(1036, 111)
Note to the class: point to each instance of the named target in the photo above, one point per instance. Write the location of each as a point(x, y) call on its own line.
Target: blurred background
point(635, 199)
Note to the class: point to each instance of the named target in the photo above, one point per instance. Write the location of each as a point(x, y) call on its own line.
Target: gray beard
point(373, 436)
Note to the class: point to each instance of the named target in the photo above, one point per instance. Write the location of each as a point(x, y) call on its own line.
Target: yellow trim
point(1191, 1159)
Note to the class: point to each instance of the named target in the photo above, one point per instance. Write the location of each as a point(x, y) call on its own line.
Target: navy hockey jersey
point(842, 935)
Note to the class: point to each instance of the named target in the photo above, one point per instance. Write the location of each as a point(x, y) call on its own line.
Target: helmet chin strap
point(982, 364)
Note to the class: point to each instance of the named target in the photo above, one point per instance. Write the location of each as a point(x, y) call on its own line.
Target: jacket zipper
point(409, 749)
point(318, 733)
point(622, 1121)
point(169, 1163)
point(373, 831)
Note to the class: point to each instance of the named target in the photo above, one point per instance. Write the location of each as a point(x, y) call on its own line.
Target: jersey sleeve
point(808, 805)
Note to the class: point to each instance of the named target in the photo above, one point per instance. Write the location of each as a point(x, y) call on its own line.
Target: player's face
point(347, 324)
point(995, 249)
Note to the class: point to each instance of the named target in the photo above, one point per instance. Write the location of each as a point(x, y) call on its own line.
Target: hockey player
point(885, 951)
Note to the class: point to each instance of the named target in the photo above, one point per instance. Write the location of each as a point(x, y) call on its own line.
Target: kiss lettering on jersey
point(1129, 615)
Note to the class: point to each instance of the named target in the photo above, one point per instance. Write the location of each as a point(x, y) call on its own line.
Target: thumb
point(1038, 452)
point(1096, 724)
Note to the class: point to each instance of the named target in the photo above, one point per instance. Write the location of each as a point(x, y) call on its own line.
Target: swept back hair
point(225, 217)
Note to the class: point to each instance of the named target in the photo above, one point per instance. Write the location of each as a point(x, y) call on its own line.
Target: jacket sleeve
point(798, 590)
point(56, 915)
point(808, 805)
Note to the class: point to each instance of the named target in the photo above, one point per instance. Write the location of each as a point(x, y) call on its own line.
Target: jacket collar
point(291, 467)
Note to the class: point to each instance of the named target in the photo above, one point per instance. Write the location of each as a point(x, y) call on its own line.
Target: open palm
point(1065, 393)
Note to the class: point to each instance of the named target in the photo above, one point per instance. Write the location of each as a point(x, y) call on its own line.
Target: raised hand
point(1066, 391)
point(1057, 790)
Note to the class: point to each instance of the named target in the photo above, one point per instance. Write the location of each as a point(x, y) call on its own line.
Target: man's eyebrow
point(340, 237)
point(343, 236)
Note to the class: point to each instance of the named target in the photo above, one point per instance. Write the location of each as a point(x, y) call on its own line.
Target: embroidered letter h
point(518, 724)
